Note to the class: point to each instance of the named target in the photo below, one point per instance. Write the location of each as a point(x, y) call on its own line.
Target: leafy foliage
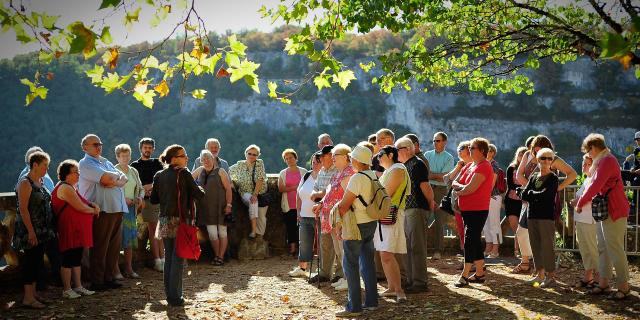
point(483, 45)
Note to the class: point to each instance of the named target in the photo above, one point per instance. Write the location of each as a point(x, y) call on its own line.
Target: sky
point(219, 16)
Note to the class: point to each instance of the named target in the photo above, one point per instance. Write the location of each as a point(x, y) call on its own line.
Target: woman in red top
point(606, 180)
point(473, 189)
point(75, 220)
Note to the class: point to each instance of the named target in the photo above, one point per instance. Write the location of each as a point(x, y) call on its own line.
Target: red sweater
point(607, 176)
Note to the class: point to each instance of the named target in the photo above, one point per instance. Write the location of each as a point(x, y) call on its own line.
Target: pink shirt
point(292, 179)
point(607, 176)
point(335, 194)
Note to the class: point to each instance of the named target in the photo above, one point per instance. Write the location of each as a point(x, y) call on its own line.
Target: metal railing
point(567, 234)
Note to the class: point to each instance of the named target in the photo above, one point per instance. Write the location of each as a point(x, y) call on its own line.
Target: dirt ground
point(263, 290)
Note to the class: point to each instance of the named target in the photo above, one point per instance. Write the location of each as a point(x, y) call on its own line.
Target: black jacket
point(540, 193)
point(165, 191)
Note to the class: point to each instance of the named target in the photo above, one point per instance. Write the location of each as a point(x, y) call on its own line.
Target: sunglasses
point(545, 158)
point(637, 139)
point(252, 154)
point(434, 141)
point(96, 144)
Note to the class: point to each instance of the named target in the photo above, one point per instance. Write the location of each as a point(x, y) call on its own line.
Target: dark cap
point(326, 149)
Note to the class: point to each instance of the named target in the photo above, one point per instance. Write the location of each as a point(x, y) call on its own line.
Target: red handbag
point(187, 244)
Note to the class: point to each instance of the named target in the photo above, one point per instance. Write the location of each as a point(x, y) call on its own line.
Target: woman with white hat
point(359, 254)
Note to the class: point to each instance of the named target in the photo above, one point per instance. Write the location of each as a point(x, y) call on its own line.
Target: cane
point(319, 249)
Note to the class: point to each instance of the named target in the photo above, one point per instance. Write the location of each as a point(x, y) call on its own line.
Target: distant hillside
point(570, 101)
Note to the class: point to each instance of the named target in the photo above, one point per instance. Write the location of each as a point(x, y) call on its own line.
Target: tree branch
point(629, 8)
point(607, 19)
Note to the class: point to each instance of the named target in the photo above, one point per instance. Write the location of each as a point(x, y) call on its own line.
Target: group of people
point(91, 212)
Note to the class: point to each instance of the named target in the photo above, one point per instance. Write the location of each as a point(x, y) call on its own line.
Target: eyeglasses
point(402, 148)
point(252, 154)
point(96, 144)
point(545, 158)
point(436, 140)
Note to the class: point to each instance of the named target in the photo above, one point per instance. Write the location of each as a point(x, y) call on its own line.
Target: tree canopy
point(486, 45)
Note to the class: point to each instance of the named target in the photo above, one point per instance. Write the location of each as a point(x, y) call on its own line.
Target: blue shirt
point(46, 180)
point(442, 162)
point(91, 170)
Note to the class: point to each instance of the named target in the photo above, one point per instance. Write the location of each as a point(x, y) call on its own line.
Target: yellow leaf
point(162, 88)
point(626, 61)
point(111, 57)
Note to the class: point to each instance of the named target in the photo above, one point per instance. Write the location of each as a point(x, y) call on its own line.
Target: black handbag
point(445, 203)
point(600, 205)
point(263, 199)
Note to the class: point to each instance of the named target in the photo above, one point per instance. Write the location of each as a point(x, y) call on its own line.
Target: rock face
point(427, 112)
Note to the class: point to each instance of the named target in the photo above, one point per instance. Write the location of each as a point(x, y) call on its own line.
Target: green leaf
point(252, 82)
point(105, 37)
point(613, 44)
point(182, 4)
point(211, 62)
point(322, 81)
point(343, 78)
point(45, 57)
point(109, 3)
point(638, 72)
point(95, 74)
point(28, 83)
point(285, 100)
point(110, 82)
point(146, 98)
point(132, 17)
point(231, 59)
point(29, 98)
point(41, 92)
point(366, 67)
point(150, 62)
point(48, 22)
point(236, 46)
point(199, 93)
point(21, 34)
point(272, 86)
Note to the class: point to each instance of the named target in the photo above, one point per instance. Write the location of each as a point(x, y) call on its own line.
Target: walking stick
point(319, 249)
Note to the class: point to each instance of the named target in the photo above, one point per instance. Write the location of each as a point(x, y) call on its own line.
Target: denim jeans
point(358, 258)
point(307, 233)
point(173, 267)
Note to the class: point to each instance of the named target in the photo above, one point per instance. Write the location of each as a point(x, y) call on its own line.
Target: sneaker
point(158, 266)
point(133, 275)
point(436, 256)
point(70, 294)
point(337, 283)
point(341, 285)
point(84, 291)
point(548, 282)
point(335, 279)
point(401, 298)
point(318, 278)
point(252, 235)
point(347, 314)
point(297, 272)
point(369, 308)
point(492, 255)
point(534, 280)
point(118, 277)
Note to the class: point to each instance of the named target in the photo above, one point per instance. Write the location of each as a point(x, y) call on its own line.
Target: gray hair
point(87, 137)
point(31, 151)
point(212, 140)
point(323, 136)
point(405, 143)
point(205, 153)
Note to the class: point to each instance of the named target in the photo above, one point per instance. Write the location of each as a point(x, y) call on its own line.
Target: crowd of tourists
point(363, 209)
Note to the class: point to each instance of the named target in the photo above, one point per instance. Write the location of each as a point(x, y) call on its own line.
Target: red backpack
point(501, 181)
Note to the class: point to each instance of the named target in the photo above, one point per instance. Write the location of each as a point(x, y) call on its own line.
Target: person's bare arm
point(345, 203)
point(68, 194)
point(396, 178)
point(476, 180)
point(228, 193)
point(111, 179)
point(520, 178)
point(567, 170)
point(24, 192)
point(427, 191)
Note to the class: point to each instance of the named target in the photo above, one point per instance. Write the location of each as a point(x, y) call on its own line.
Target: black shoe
point(318, 278)
point(99, 287)
point(416, 289)
point(113, 285)
point(335, 279)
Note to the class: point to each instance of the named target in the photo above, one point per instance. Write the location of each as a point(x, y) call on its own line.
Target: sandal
point(476, 278)
point(462, 282)
point(619, 295)
point(521, 268)
point(34, 305)
point(599, 290)
point(585, 284)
